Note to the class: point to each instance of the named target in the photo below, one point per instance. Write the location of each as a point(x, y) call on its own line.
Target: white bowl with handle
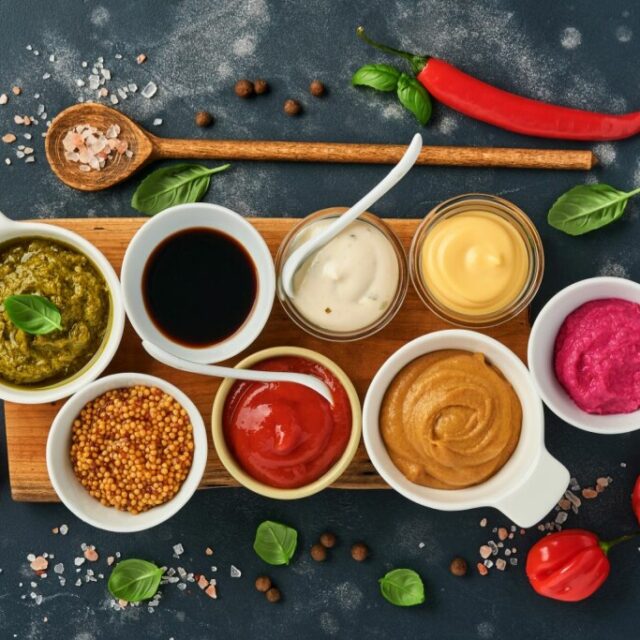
point(530, 483)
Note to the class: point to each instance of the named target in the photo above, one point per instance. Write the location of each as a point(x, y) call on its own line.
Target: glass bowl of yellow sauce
point(476, 260)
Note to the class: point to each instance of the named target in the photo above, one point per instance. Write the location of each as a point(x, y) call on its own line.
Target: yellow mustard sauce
point(474, 263)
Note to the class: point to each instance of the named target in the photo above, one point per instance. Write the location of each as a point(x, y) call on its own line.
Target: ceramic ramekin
point(343, 336)
point(180, 218)
point(509, 212)
point(528, 485)
point(542, 346)
point(230, 463)
point(11, 231)
point(77, 499)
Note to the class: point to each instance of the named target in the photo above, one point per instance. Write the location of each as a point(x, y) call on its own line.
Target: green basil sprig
point(402, 587)
point(588, 207)
point(33, 314)
point(411, 94)
point(381, 77)
point(134, 580)
point(275, 543)
point(172, 185)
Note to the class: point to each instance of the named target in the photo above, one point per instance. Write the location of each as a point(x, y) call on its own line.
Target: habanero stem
point(607, 545)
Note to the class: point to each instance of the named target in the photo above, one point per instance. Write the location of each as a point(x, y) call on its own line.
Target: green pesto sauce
point(70, 280)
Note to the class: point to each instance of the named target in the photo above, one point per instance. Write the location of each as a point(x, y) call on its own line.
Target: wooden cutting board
point(27, 426)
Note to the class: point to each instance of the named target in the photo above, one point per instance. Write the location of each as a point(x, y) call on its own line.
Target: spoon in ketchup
point(343, 221)
point(216, 371)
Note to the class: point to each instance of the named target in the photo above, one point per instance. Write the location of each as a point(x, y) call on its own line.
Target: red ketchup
point(283, 434)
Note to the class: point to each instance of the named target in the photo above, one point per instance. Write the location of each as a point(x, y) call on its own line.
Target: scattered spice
point(142, 58)
point(16, 91)
point(208, 551)
point(204, 119)
point(317, 89)
point(328, 540)
point(8, 138)
point(273, 595)
point(244, 88)
point(292, 107)
point(482, 570)
point(458, 566)
point(589, 493)
point(39, 563)
point(92, 148)
point(91, 554)
point(261, 86)
point(359, 551)
point(318, 553)
point(263, 584)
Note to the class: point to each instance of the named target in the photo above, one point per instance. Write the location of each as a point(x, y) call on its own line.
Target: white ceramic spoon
point(342, 222)
point(216, 371)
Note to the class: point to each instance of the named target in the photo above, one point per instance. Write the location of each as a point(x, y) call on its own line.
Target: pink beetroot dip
point(597, 356)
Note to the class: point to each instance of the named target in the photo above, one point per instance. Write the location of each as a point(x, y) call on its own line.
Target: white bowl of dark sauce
point(198, 281)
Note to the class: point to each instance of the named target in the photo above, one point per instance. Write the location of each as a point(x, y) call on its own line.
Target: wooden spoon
point(146, 148)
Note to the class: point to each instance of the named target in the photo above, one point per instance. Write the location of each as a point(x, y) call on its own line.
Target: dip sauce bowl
point(179, 219)
point(542, 347)
point(530, 483)
point(11, 231)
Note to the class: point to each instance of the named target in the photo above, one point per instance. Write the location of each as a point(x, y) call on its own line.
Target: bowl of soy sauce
point(198, 281)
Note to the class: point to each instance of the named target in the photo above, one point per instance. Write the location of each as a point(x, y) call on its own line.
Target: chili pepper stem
point(606, 546)
point(417, 62)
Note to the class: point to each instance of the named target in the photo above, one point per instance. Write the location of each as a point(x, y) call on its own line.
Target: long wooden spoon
point(147, 147)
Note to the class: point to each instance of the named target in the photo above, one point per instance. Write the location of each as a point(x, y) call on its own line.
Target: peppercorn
point(328, 540)
point(263, 583)
point(317, 89)
point(273, 595)
point(458, 566)
point(204, 119)
point(359, 551)
point(292, 107)
point(244, 88)
point(318, 553)
point(261, 86)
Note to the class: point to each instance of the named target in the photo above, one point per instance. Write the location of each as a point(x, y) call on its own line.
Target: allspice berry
point(292, 107)
point(244, 88)
point(317, 89)
point(204, 119)
point(328, 540)
point(260, 86)
point(263, 584)
point(273, 595)
point(458, 566)
point(318, 553)
point(359, 551)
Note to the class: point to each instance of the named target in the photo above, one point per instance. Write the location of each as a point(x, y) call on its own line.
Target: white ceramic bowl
point(77, 499)
point(37, 394)
point(531, 482)
point(174, 220)
point(541, 351)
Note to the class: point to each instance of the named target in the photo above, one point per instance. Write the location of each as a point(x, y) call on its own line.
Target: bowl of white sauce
point(353, 286)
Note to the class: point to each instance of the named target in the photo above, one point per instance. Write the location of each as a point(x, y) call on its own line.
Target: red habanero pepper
point(635, 499)
point(569, 565)
point(482, 101)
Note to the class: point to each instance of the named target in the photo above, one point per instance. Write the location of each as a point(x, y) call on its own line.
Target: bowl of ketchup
point(283, 440)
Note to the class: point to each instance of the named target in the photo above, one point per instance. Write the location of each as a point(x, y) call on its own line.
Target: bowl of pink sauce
point(584, 355)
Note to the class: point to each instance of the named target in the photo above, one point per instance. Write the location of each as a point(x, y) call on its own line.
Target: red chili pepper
point(569, 565)
point(635, 499)
point(482, 101)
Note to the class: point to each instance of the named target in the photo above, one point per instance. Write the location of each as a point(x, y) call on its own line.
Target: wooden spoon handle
point(340, 152)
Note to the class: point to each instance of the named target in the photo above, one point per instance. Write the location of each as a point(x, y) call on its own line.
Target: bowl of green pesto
point(61, 313)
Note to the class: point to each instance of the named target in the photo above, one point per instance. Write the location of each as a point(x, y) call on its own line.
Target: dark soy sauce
point(199, 286)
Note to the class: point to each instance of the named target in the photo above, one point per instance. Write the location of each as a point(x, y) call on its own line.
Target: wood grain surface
point(27, 426)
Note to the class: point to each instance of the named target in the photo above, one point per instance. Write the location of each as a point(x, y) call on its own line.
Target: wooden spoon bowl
point(146, 148)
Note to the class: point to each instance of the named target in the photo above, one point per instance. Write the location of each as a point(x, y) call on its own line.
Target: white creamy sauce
point(349, 283)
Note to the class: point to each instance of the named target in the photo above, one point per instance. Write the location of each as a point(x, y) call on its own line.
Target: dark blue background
point(197, 50)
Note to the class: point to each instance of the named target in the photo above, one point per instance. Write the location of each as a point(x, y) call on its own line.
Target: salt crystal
point(623, 465)
point(178, 549)
point(36, 53)
point(26, 136)
point(182, 586)
point(561, 518)
point(507, 552)
point(4, 98)
point(46, 76)
point(211, 591)
point(118, 56)
point(122, 93)
point(7, 161)
point(94, 82)
point(83, 64)
point(157, 122)
point(78, 582)
point(28, 151)
point(235, 572)
point(513, 561)
point(141, 58)
point(18, 119)
point(78, 561)
point(110, 560)
point(485, 551)
point(488, 564)
point(80, 82)
point(203, 583)
point(150, 90)
point(59, 568)
point(493, 546)
point(483, 522)
point(132, 87)
point(52, 58)
point(106, 74)
point(29, 47)
point(39, 599)
point(501, 564)
point(113, 98)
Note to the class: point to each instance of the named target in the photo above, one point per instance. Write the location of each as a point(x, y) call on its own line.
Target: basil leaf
point(176, 184)
point(134, 580)
point(275, 543)
point(402, 587)
point(588, 207)
point(382, 77)
point(414, 97)
point(33, 314)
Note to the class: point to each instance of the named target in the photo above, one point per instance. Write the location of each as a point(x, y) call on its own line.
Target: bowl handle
point(538, 494)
